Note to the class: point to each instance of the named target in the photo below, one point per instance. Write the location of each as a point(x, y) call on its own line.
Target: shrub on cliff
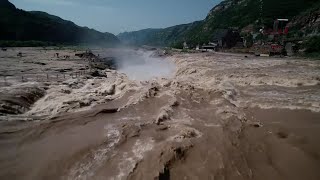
point(312, 45)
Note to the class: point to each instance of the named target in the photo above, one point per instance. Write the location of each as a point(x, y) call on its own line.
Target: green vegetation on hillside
point(228, 14)
point(312, 45)
point(241, 13)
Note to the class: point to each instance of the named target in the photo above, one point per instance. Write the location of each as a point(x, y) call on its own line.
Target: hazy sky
point(117, 16)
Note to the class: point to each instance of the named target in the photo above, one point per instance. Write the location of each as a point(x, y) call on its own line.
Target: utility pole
point(261, 12)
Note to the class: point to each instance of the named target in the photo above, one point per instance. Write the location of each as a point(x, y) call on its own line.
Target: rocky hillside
point(243, 13)
point(307, 22)
point(20, 25)
point(240, 14)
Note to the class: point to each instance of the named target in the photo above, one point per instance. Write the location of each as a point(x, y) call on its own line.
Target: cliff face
point(20, 25)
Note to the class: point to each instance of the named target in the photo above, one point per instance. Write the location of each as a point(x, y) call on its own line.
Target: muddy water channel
point(83, 127)
point(219, 116)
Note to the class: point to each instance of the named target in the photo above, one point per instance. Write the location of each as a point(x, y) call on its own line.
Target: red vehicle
point(276, 39)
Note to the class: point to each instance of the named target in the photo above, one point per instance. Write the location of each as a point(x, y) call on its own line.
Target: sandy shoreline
point(221, 116)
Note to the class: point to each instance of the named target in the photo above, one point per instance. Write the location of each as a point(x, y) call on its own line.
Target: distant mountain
point(239, 14)
point(158, 37)
point(20, 25)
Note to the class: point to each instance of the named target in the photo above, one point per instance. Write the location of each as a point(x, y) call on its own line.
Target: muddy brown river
point(197, 116)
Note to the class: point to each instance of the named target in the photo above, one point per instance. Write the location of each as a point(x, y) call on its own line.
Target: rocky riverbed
point(217, 116)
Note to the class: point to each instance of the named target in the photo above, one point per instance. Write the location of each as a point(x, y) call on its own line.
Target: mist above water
point(141, 65)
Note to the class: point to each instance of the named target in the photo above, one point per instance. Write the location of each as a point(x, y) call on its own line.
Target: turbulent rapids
point(145, 66)
point(178, 116)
